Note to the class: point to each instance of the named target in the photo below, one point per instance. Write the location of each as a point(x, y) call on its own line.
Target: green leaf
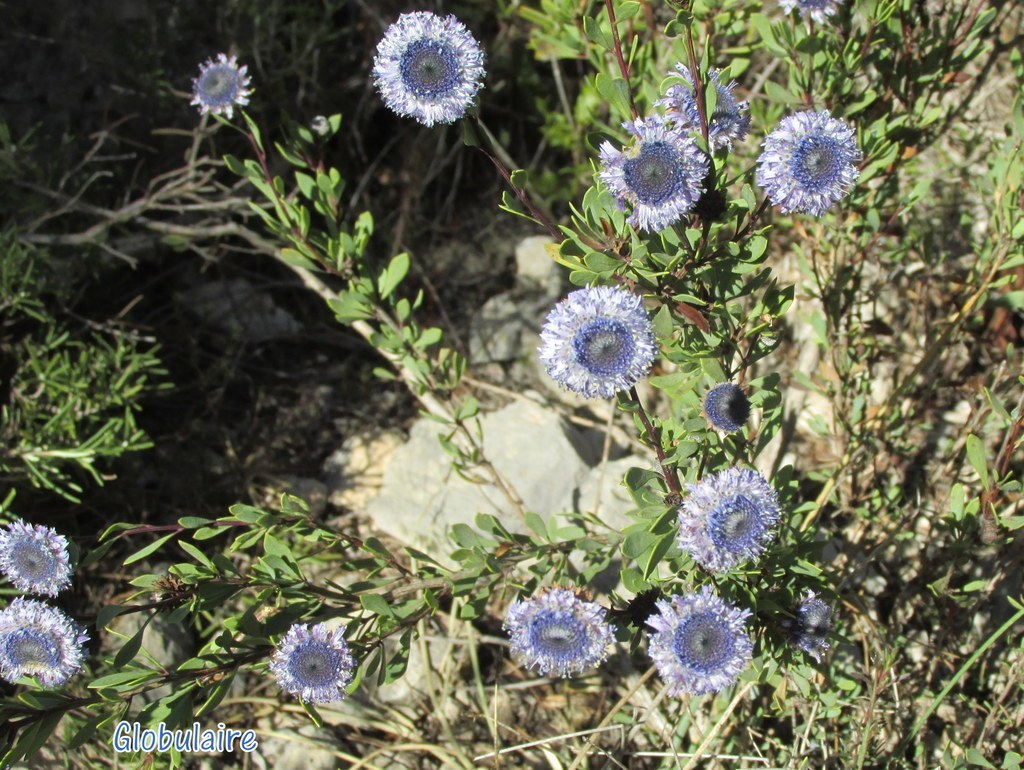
point(196, 554)
point(292, 257)
point(975, 757)
point(627, 10)
point(306, 184)
point(663, 323)
point(234, 165)
point(652, 558)
point(147, 550)
point(254, 130)
point(598, 33)
point(276, 547)
point(376, 604)
point(756, 247)
point(131, 647)
point(615, 91)
point(536, 525)
point(122, 678)
point(393, 275)
point(637, 543)
point(313, 714)
point(976, 456)
point(350, 306)
point(464, 536)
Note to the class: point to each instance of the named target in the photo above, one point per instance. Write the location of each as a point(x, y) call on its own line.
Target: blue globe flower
point(809, 162)
point(313, 663)
point(221, 85)
point(812, 624)
point(661, 174)
point(819, 10)
point(727, 407)
point(34, 558)
point(727, 518)
point(727, 124)
point(558, 633)
point(699, 644)
point(428, 68)
point(598, 341)
point(39, 641)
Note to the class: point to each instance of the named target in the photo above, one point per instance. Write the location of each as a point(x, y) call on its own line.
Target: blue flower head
point(598, 341)
point(727, 407)
point(220, 86)
point(428, 68)
point(34, 558)
point(727, 124)
point(313, 663)
point(809, 162)
point(819, 10)
point(40, 641)
point(558, 633)
point(699, 644)
point(727, 518)
point(660, 174)
point(811, 626)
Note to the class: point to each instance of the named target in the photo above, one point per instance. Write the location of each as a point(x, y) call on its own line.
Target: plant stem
point(668, 471)
point(542, 219)
point(623, 67)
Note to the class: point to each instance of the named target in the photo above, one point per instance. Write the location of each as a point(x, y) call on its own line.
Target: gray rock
point(415, 684)
point(240, 309)
point(535, 268)
point(354, 473)
point(505, 328)
point(496, 331)
point(422, 497)
point(603, 493)
point(306, 747)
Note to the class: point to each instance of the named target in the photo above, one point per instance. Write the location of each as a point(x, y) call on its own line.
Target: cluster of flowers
point(699, 643)
point(430, 68)
point(808, 164)
point(600, 341)
point(36, 639)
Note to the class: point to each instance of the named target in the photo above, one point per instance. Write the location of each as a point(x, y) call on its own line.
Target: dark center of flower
point(429, 68)
point(816, 163)
point(702, 643)
point(219, 85)
point(33, 650)
point(315, 664)
point(735, 523)
point(603, 347)
point(815, 618)
point(556, 632)
point(654, 174)
point(32, 559)
point(727, 406)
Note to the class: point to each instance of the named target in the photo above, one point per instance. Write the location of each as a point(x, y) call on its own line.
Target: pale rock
point(422, 497)
point(603, 491)
point(305, 747)
point(536, 268)
point(496, 331)
point(355, 472)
